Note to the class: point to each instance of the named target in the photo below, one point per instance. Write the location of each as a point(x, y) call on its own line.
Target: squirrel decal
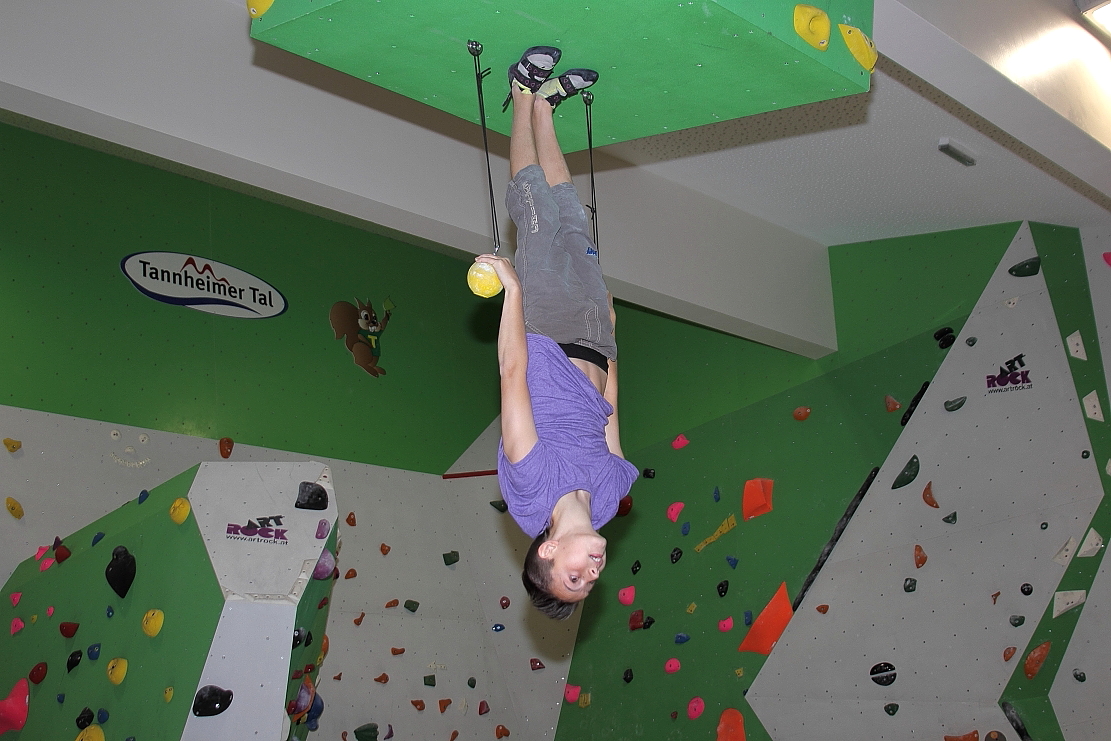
point(361, 331)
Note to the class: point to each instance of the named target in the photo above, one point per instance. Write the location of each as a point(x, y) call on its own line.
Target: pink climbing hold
point(1107, 257)
point(15, 598)
point(726, 625)
point(50, 611)
point(673, 510)
point(17, 625)
point(680, 442)
point(571, 693)
point(41, 552)
point(45, 564)
point(13, 708)
point(671, 666)
point(627, 595)
point(695, 707)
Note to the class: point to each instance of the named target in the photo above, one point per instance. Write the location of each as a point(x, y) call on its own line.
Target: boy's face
point(577, 561)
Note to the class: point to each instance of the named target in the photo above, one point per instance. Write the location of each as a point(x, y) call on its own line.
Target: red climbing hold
point(69, 630)
point(384, 548)
point(297, 674)
point(970, 736)
point(397, 651)
point(536, 664)
point(769, 625)
point(636, 620)
point(484, 707)
point(351, 574)
point(994, 597)
point(1033, 663)
point(382, 678)
point(504, 602)
point(226, 444)
point(757, 498)
point(680, 442)
point(928, 495)
point(61, 553)
point(338, 677)
point(731, 725)
point(351, 519)
point(37, 673)
point(822, 609)
point(454, 735)
point(359, 620)
point(392, 603)
point(501, 731)
point(625, 505)
point(891, 404)
point(674, 714)
point(1009, 652)
point(322, 603)
point(801, 413)
point(443, 705)
point(695, 707)
point(919, 557)
point(418, 704)
point(13, 708)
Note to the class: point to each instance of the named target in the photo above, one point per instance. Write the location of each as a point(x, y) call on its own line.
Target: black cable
point(588, 99)
point(475, 49)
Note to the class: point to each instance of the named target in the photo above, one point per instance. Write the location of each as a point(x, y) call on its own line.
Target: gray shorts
point(557, 262)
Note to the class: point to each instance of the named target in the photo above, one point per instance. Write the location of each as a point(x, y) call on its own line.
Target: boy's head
point(560, 573)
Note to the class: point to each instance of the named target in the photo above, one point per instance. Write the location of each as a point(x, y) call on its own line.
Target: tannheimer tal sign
point(202, 284)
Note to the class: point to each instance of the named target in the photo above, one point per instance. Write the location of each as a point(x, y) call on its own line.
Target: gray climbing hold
point(891, 708)
point(908, 474)
point(1026, 268)
point(1017, 620)
point(950, 518)
point(954, 404)
point(910, 584)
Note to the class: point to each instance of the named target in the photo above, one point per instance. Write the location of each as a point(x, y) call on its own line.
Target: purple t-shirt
point(570, 452)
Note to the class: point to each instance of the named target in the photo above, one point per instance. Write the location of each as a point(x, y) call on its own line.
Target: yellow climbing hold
point(152, 622)
point(117, 670)
point(860, 46)
point(483, 281)
point(168, 694)
point(12, 445)
point(584, 700)
point(257, 7)
point(813, 26)
point(15, 509)
point(728, 524)
point(739, 672)
point(91, 733)
point(691, 608)
point(179, 510)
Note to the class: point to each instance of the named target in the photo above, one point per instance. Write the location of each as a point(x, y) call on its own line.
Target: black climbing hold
point(914, 404)
point(1045, 525)
point(308, 639)
point(970, 341)
point(636, 567)
point(943, 332)
point(73, 660)
point(954, 404)
point(648, 621)
point(500, 505)
point(1027, 589)
point(471, 682)
point(649, 473)
point(298, 637)
point(120, 571)
point(946, 341)
point(85, 718)
point(429, 680)
point(1078, 675)
point(1015, 721)
point(950, 518)
point(676, 554)
point(883, 673)
point(723, 587)
point(627, 676)
point(1017, 620)
point(1026, 268)
point(311, 496)
point(1086, 454)
point(211, 700)
point(910, 584)
point(908, 474)
point(891, 708)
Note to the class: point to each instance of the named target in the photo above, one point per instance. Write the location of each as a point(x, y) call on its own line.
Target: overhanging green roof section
point(664, 65)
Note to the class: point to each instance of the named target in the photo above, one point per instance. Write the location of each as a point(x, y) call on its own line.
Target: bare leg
point(522, 144)
point(549, 154)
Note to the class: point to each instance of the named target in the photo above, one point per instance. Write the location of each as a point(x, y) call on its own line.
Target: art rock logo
point(267, 529)
point(202, 284)
point(1014, 377)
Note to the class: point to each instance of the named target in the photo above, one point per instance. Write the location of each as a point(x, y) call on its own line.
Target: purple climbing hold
point(324, 565)
point(322, 529)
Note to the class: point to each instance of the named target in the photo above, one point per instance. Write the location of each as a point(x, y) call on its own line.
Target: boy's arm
point(613, 434)
point(517, 425)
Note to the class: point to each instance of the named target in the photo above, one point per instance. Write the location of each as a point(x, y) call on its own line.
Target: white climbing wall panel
point(1012, 464)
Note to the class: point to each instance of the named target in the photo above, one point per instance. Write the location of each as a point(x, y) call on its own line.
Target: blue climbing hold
point(143, 496)
point(748, 617)
point(61, 697)
point(732, 561)
point(498, 628)
point(102, 716)
point(682, 637)
point(717, 494)
point(109, 611)
point(686, 528)
point(97, 538)
point(94, 652)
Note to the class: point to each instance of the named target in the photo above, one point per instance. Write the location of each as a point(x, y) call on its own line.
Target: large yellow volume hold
point(860, 46)
point(483, 281)
point(813, 26)
point(257, 7)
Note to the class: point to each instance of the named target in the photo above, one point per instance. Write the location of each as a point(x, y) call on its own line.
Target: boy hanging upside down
point(560, 465)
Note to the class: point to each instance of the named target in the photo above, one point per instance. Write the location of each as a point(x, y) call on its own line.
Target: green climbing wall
point(890, 297)
point(663, 66)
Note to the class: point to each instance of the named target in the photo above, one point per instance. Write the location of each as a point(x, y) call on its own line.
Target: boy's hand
point(506, 274)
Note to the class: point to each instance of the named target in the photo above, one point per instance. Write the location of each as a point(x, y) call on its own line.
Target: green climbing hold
point(411, 605)
point(451, 557)
point(1026, 268)
point(429, 680)
point(891, 708)
point(951, 518)
point(500, 505)
point(367, 732)
point(908, 474)
point(954, 404)
point(1017, 620)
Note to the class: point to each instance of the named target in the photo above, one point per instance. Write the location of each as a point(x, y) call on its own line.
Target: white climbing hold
point(1093, 541)
point(1092, 408)
point(1066, 600)
point(1065, 554)
point(1076, 346)
point(1011, 302)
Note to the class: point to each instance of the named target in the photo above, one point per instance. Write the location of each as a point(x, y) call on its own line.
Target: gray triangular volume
point(1093, 541)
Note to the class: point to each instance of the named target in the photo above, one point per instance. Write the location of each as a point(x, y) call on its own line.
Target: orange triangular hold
point(1034, 660)
point(769, 625)
point(731, 725)
point(928, 495)
point(757, 499)
point(891, 404)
